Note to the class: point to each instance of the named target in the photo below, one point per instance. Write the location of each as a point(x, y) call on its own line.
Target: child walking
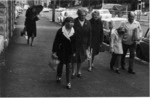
point(116, 48)
point(63, 48)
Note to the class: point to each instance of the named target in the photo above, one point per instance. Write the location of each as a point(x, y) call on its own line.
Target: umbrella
point(38, 8)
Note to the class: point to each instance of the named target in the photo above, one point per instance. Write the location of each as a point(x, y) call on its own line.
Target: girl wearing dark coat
point(97, 35)
point(64, 48)
point(30, 24)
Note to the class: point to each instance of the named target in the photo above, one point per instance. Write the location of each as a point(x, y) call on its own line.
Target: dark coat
point(97, 35)
point(63, 47)
point(83, 39)
point(30, 22)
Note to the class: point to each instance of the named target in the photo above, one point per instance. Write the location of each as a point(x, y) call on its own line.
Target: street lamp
point(53, 15)
point(102, 3)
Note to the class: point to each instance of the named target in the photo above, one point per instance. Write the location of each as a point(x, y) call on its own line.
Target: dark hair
point(67, 20)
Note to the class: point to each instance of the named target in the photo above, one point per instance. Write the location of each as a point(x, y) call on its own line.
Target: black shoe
point(58, 79)
point(73, 76)
point(111, 68)
point(123, 68)
point(68, 86)
point(131, 72)
point(117, 71)
point(79, 75)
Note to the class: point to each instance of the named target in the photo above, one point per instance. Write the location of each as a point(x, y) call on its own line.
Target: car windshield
point(116, 24)
point(104, 12)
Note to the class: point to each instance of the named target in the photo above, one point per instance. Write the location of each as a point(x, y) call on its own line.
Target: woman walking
point(64, 49)
point(83, 39)
point(97, 36)
point(30, 24)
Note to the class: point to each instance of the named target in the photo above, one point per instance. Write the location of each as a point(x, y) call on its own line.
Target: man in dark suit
point(83, 38)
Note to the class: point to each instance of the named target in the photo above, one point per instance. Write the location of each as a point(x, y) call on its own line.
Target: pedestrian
point(97, 36)
point(133, 34)
point(30, 24)
point(61, 18)
point(64, 49)
point(116, 48)
point(83, 38)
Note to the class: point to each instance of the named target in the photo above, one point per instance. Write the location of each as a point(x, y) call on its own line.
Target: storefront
point(7, 19)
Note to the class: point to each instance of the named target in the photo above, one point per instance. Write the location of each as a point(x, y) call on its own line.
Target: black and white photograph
point(74, 48)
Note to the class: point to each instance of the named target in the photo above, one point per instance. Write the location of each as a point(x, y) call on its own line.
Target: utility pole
point(53, 14)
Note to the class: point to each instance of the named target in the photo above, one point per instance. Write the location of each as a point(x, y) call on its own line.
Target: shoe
point(73, 76)
point(131, 72)
point(79, 75)
point(58, 79)
point(117, 71)
point(68, 86)
point(93, 66)
point(123, 68)
point(90, 69)
point(111, 68)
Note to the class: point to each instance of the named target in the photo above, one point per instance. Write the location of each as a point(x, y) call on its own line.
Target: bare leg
point(79, 68)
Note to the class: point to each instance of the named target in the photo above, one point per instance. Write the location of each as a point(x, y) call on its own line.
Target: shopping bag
point(23, 32)
point(53, 63)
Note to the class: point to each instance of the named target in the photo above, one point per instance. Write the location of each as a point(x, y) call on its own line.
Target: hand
point(54, 56)
point(111, 50)
point(74, 54)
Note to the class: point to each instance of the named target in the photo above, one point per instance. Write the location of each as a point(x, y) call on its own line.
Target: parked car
point(46, 9)
point(70, 12)
point(60, 9)
point(142, 50)
point(104, 13)
point(117, 22)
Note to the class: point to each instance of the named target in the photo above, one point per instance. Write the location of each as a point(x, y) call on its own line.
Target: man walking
point(130, 38)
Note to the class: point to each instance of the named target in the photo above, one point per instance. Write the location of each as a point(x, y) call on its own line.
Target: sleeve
point(101, 32)
point(36, 18)
point(89, 36)
point(73, 43)
point(57, 41)
point(112, 40)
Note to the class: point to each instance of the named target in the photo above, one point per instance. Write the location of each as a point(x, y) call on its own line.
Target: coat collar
point(66, 33)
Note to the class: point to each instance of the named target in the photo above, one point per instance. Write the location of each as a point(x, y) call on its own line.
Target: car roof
point(115, 19)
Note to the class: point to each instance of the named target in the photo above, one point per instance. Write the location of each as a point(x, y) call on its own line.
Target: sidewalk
point(27, 73)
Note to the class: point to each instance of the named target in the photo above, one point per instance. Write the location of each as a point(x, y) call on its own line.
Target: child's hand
point(111, 50)
point(54, 56)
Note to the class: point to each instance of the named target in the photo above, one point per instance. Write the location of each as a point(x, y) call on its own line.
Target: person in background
point(83, 40)
point(116, 48)
point(97, 36)
point(64, 49)
point(30, 24)
point(131, 36)
point(61, 19)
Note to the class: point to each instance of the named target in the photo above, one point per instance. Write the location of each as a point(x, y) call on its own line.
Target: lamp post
point(53, 14)
point(102, 3)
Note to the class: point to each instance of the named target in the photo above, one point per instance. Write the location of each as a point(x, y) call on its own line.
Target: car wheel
point(139, 53)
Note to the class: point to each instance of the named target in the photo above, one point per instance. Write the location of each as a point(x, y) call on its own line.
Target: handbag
point(53, 63)
point(23, 32)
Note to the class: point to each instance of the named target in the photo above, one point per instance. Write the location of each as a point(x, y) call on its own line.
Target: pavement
point(27, 74)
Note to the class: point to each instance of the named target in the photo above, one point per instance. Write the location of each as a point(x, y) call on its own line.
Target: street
point(27, 73)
